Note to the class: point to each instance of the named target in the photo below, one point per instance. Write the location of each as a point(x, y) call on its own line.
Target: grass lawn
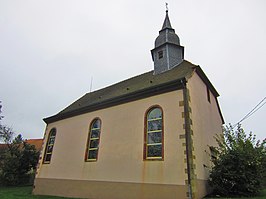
point(25, 193)
point(260, 196)
point(21, 193)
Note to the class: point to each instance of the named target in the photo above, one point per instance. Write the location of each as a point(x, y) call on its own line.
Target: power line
point(254, 110)
point(257, 107)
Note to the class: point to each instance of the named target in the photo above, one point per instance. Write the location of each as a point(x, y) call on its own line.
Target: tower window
point(160, 54)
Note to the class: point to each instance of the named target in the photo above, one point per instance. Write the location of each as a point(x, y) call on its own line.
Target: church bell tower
point(167, 52)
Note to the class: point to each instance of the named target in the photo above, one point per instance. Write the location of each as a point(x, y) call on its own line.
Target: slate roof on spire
point(166, 23)
point(167, 34)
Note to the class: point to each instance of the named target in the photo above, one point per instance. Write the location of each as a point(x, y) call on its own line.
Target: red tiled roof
point(36, 142)
point(3, 146)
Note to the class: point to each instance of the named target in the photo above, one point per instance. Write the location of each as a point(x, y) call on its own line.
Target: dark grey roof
point(137, 87)
point(167, 34)
point(166, 23)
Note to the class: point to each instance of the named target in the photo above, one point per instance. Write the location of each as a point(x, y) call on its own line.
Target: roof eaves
point(140, 94)
point(219, 110)
point(205, 79)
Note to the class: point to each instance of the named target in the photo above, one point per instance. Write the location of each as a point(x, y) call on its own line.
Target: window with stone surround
point(93, 140)
point(154, 135)
point(49, 147)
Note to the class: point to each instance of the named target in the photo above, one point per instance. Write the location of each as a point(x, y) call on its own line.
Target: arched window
point(49, 146)
point(153, 137)
point(93, 141)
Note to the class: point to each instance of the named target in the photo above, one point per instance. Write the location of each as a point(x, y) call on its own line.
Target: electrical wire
point(254, 110)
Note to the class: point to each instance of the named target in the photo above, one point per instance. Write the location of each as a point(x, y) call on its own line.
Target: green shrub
point(239, 164)
point(20, 159)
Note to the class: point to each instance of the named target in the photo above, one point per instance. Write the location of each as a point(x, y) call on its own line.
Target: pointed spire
point(167, 52)
point(167, 33)
point(166, 23)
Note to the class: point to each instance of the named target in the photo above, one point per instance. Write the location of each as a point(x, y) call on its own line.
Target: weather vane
point(166, 5)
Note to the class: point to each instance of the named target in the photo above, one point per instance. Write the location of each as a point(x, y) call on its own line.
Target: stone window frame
point(49, 144)
point(88, 147)
point(146, 144)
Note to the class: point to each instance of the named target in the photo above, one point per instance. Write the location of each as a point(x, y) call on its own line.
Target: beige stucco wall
point(207, 122)
point(120, 157)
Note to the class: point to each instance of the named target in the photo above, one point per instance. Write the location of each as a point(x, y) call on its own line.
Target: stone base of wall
point(202, 188)
point(107, 190)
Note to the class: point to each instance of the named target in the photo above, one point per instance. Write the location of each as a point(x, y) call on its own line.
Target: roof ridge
point(120, 82)
point(134, 88)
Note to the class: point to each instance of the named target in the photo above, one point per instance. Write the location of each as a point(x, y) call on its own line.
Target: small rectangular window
point(160, 54)
point(208, 95)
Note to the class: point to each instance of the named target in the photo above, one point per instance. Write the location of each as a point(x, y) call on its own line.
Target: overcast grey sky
point(49, 50)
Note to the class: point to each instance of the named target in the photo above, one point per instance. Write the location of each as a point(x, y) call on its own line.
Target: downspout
point(188, 138)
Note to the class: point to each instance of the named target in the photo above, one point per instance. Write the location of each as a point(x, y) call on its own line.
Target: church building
point(146, 137)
